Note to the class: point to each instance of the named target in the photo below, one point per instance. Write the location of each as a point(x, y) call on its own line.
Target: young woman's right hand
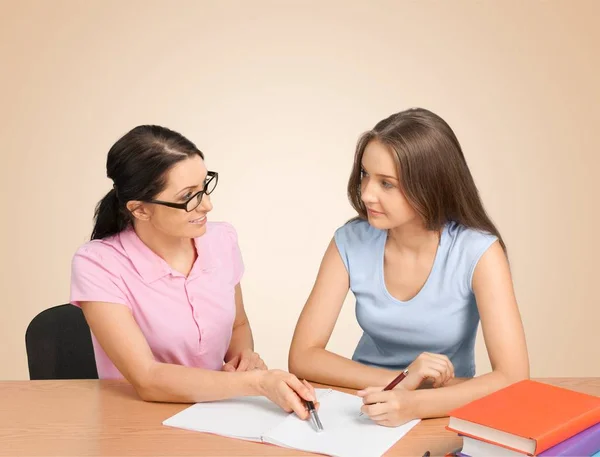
point(287, 391)
point(434, 367)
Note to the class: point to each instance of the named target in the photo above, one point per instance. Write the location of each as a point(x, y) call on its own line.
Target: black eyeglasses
point(212, 177)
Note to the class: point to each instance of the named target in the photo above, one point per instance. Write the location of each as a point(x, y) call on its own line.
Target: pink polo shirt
point(186, 321)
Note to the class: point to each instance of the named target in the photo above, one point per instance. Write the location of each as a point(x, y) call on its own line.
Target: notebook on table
point(346, 433)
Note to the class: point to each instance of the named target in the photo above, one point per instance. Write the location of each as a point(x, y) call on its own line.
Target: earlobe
point(138, 210)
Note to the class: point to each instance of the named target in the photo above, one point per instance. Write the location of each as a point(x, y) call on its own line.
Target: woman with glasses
point(159, 285)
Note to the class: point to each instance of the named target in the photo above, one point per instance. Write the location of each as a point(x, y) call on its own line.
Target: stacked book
point(529, 418)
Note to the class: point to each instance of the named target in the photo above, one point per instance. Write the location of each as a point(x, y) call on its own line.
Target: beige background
point(276, 94)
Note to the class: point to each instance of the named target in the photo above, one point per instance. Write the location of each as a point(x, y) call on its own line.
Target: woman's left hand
point(247, 360)
point(388, 408)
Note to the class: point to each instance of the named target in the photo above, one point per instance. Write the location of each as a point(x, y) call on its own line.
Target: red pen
point(394, 382)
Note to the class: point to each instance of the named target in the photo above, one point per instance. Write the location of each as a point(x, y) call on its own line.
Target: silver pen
point(314, 416)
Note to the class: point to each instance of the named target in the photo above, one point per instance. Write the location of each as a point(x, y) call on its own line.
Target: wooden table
point(106, 418)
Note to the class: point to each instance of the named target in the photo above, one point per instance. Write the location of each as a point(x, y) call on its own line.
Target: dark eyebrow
point(193, 187)
point(380, 175)
point(386, 176)
point(184, 189)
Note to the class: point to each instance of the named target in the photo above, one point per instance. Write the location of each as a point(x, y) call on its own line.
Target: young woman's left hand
point(388, 408)
point(247, 360)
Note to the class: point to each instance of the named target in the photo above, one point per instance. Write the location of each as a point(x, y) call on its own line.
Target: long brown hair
point(433, 172)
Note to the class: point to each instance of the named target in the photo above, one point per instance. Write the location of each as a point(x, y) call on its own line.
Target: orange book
point(527, 416)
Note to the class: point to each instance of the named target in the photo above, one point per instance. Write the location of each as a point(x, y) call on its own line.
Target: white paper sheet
point(346, 434)
point(246, 418)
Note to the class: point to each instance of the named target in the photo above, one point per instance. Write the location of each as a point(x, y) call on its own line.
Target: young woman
point(425, 264)
point(159, 285)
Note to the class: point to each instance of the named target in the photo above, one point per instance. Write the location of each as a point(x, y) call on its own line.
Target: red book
point(527, 416)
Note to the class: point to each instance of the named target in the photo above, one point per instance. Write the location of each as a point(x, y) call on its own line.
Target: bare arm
point(240, 355)
point(125, 345)
point(505, 341)
point(123, 341)
point(308, 357)
point(241, 338)
point(503, 334)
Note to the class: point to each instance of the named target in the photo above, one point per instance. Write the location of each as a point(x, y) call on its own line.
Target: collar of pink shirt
point(152, 267)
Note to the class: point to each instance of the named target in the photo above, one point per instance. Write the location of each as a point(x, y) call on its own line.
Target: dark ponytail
point(137, 164)
point(110, 217)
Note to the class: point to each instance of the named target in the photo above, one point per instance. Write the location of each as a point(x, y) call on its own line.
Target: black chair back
point(59, 345)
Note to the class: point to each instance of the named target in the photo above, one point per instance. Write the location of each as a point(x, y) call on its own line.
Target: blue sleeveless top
point(442, 318)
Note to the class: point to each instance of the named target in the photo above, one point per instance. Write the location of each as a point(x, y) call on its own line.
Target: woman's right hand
point(287, 391)
point(434, 367)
